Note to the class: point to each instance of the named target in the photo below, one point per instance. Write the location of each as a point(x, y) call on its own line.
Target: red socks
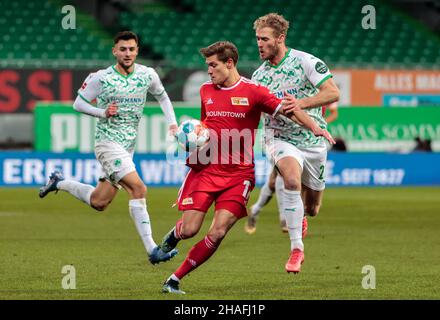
point(196, 256)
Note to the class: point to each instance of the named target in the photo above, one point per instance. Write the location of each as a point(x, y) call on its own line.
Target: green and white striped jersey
point(299, 74)
point(129, 93)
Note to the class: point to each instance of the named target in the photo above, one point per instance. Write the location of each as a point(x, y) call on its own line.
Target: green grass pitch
point(396, 230)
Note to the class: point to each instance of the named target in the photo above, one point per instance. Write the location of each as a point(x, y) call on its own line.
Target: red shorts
point(200, 189)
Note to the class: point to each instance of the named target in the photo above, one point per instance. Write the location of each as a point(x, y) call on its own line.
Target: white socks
point(78, 190)
point(279, 187)
point(139, 214)
point(293, 210)
point(173, 277)
point(263, 198)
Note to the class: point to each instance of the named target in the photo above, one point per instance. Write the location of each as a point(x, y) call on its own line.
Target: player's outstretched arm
point(168, 110)
point(328, 93)
point(333, 109)
point(158, 91)
point(307, 122)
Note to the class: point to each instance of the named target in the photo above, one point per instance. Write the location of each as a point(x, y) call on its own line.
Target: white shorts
point(115, 161)
point(311, 160)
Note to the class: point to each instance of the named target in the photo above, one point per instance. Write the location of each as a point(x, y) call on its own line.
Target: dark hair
point(126, 35)
point(223, 49)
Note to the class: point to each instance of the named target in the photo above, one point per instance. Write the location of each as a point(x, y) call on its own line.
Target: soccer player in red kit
point(231, 107)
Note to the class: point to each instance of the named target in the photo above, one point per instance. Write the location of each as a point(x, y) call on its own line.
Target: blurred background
point(384, 54)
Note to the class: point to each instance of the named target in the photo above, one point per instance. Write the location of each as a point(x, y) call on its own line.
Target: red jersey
point(232, 114)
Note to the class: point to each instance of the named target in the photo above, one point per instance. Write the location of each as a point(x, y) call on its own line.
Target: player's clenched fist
point(111, 110)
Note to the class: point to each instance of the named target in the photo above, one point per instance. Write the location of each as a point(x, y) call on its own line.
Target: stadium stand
point(29, 37)
point(330, 29)
point(174, 30)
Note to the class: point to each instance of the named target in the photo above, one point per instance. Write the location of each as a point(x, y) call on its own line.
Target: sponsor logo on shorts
point(117, 162)
point(187, 201)
point(239, 101)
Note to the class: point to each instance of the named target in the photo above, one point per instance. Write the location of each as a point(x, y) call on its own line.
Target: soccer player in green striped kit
point(120, 92)
point(297, 156)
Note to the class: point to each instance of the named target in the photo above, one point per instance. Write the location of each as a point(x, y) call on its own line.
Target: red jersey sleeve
point(267, 102)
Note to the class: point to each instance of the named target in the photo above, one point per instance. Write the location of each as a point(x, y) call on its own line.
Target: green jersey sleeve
point(91, 87)
point(316, 70)
point(156, 88)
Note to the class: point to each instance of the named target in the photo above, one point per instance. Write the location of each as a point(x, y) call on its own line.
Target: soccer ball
point(191, 135)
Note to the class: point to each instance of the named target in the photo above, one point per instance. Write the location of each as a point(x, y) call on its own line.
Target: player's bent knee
point(99, 205)
point(272, 185)
point(187, 232)
point(139, 191)
point(217, 235)
point(312, 210)
point(291, 183)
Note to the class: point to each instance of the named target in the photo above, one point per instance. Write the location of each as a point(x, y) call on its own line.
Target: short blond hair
point(273, 20)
